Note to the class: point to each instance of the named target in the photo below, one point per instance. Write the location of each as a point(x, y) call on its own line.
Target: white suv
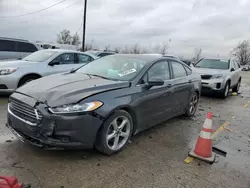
point(219, 75)
point(15, 48)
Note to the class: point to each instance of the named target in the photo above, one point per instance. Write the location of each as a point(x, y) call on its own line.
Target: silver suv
point(38, 64)
point(15, 48)
point(219, 75)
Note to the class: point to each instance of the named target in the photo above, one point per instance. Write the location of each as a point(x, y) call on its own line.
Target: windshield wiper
point(103, 77)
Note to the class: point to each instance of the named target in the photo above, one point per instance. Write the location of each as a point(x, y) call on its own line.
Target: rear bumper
point(57, 132)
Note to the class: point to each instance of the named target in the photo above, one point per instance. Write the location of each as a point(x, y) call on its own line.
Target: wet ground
point(154, 158)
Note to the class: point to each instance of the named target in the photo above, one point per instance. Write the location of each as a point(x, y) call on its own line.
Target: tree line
point(241, 51)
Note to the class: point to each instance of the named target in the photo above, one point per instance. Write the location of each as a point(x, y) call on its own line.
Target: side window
point(178, 70)
point(232, 65)
point(26, 47)
point(159, 70)
point(67, 58)
point(84, 58)
point(103, 54)
point(236, 65)
point(189, 71)
point(7, 45)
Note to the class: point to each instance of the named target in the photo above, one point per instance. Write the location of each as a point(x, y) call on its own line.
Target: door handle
point(169, 85)
point(189, 81)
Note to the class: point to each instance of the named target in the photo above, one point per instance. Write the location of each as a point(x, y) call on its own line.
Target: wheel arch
point(129, 110)
point(27, 75)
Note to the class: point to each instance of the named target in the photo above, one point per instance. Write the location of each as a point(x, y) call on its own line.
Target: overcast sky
point(216, 26)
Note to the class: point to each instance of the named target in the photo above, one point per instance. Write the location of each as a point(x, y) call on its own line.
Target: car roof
point(69, 51)
point(144, 57)
point(61, 50)
point(13, 39)
point(216, 58)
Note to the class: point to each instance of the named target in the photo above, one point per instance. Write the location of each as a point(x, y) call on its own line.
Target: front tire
point(225, 91)
point(192, 106)
point(27, 79)
point(114, 133)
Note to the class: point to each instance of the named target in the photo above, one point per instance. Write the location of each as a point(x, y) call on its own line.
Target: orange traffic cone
point(203, 148)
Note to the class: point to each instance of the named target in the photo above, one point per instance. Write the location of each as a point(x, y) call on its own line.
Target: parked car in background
point(15, 48)
point(219, 75)
point(246, 67)
point(103, 103)
point(101, 53)
point(43, 45)
point(14, 74)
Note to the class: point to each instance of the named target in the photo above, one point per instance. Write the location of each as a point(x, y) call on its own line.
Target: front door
point(66, 62)
point(155, 104)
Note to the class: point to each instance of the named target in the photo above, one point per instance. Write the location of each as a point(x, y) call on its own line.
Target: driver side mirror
point(52, 63)
point(154, 82)
point(232, 69)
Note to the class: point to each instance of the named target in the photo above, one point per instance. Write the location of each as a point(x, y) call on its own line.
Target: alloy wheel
point(118, 133)
point(193, 104)
point(226, 90)
point(238, 85)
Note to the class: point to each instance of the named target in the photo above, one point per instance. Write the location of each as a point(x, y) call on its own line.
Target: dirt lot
point(154, 158)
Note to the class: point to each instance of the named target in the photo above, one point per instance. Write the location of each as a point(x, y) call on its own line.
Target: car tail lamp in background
point(10, 182)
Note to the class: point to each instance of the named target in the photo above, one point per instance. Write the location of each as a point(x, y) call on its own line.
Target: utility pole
point(84, 25)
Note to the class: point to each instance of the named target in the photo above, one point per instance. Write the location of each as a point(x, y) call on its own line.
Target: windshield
point(213, 64)
point(40, 56)
point(114, 67)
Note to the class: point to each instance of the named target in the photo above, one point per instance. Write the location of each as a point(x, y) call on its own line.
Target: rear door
point(82, 59)
point(182, 86)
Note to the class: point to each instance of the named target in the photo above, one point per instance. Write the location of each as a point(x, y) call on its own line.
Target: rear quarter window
point(26, 47)
point(7, 45)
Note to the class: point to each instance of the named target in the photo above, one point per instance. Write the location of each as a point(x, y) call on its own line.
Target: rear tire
point(192, 106)
point(27, 79)
point(113, 137)
point(237, 87)
point(225, 91)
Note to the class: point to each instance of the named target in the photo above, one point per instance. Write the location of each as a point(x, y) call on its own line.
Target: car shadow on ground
point(164, 132)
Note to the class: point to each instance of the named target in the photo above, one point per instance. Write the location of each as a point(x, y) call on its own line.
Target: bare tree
point(88, 47)
point(197, 55)
point(242, 52)
point(125, 50)
point(75, 39)
point(117, 50)
point(145, 50)
point(136, 49)
point(107, 47)
point(163, 48)
point(64, 37)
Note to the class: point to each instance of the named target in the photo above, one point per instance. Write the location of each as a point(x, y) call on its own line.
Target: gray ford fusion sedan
point(103, 103)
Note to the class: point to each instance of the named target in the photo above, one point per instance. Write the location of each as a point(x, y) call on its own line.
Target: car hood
point(202, 71)
point(68, 88)
point(15, 63)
